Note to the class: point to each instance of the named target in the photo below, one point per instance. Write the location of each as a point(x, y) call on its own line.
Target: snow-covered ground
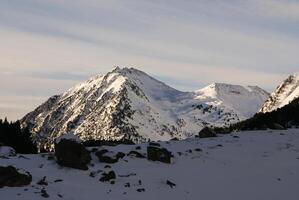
point(255, 165)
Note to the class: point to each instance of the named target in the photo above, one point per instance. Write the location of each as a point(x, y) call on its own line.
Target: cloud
point(47, 46)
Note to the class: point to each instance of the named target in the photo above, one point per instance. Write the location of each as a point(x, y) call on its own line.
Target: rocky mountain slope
point(129, 104)
point(286, 92)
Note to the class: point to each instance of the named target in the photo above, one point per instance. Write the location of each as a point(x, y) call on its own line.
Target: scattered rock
point(10, 177)
point(120, 155)
point(93, 174)
point(42, 181)
point(44, 193)
point(136, 154)
point(138, 147)
point(103, 157)
point(71, 153)
point(206, 132)
point(140, 190)
point(58, 180)
point(171, 184)
point(158, 154)
point(128, 185)
point(108, 176)
point(198, 149)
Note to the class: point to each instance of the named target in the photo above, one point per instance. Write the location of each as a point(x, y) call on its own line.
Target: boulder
point(206, 133)
point(277, 126)
point(10, 177)
point(71, 153)
point(108, 176)
point(155, 153)
point(136, 154)
point(6, 151)
point(109, 157)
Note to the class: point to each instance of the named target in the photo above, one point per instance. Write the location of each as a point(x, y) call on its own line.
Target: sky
point(47, 46)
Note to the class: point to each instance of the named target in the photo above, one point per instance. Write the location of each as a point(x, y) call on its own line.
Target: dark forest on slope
point(282, 118)
point(12, 135)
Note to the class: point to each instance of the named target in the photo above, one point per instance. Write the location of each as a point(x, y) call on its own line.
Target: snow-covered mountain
point(129, 104)
point(286, 92)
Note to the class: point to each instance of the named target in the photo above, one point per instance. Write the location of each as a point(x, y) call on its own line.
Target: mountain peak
point(285, 93)
point(126, 103)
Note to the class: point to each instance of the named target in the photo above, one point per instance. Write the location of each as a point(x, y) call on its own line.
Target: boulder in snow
point(71, 153)
point(6, 151)
point(10, 177)
point(108, 176)
point(206, 132)
point(155, 153)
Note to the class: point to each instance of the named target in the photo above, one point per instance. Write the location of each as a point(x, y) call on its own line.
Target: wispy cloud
point(56, 43)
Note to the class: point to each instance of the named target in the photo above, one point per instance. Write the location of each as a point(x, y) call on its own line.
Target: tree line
point(12, 135)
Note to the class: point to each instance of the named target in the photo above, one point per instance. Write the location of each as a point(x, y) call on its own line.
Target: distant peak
point(126, 70)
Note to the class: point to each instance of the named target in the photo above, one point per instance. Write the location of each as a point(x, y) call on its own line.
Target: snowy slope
point(128, 103)
point(245, 101)
point(257, 165)
point(286, 92)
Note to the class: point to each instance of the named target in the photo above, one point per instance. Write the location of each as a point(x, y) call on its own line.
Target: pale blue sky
point(49, 45)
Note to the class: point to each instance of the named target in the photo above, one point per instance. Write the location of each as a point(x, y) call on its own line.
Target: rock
point(106, 159)
point(158, 154)
point(109, 157)
point(127, 185)
point(10, 177)
point(171, 184)
point(138, 147)
point(42, 181)
point(136, 154)
point(108, 176)
point(120, 155)
point(154, 144)
point(277, 126)
point(70, 153)
point(44, 193)
point(206, 133)
point(140, 190)
point(198, 149)
point(6, 151)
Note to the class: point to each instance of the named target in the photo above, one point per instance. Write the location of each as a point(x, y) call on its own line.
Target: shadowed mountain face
point(129, 104)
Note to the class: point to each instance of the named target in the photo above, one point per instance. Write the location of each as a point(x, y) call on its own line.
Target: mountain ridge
point(284, 94)
point(126, 103)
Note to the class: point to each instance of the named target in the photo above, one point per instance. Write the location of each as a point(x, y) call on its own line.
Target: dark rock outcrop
point(206, 133)
point(70, 153)
point(10, 177)
point(113, 158)
point(155, 153)
point(108, 176)
point(136, 154)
